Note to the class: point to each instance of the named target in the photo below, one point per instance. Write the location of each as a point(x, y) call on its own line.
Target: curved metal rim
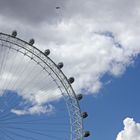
point(71, 101)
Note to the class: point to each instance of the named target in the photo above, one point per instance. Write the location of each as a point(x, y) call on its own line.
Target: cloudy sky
point(98, 41)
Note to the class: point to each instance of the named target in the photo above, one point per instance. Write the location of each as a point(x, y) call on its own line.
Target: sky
point(98, 41)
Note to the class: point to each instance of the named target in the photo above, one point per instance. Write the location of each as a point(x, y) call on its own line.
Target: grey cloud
point(102, 10)
point(33, 11)
point(37, 11)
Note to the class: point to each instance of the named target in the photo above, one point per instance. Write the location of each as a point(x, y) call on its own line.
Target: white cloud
point(131, 130)
point(36, 109)
point(79, 39)
point(90, 56)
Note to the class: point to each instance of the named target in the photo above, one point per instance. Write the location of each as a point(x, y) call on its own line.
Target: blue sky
point(98, 42)
point(43, 126)
point(115, 102)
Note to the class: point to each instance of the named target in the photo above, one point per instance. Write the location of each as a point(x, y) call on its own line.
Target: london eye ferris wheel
point(37, 101)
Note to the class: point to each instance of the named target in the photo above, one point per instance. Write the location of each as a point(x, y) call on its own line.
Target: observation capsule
point(84, 114)
point(47, 52)
point(14, 33)
point(71, 80)
point(60, 65)
point(31, 41)
point(86, 134)
point(79, 97)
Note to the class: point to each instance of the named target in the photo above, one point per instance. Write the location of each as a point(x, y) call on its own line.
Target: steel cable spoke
point(34, 132)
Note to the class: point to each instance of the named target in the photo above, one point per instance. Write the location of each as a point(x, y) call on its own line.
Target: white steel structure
point(27, 49)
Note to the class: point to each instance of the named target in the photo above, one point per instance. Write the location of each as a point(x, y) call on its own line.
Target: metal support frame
point(21, 46)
